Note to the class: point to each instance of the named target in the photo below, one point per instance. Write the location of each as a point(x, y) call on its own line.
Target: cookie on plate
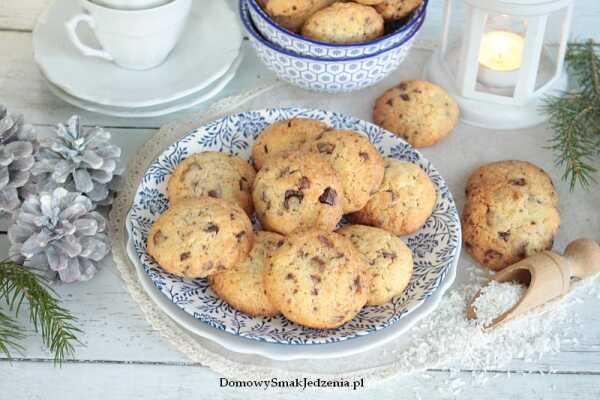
point(369, 2)
point(213, 174)
point(297, 191)
point(404, 201)
point(286, 135)
point(390, 262)
point(396, 9)
point(317, 279)
point(510, 213)
point(242, 285)
point(418, 111)
point(198, 237)
point(344, 23)
point(358, 165)
point(291, 14)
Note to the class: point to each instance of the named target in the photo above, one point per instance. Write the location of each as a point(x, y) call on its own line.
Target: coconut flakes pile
point(495, 299)
point(447, 339)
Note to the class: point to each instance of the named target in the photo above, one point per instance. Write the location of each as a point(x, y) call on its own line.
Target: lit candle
point(500, 57)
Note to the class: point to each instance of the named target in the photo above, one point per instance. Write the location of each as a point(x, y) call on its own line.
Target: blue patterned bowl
point(435, 246)
point(327, 74)
point(298, 44)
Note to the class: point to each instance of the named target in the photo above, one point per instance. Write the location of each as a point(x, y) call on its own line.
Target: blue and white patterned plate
point(435, 246)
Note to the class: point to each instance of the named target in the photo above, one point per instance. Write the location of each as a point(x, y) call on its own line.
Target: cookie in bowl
point(213, 174)
point(297, 191)
point(198, 237)
point(369, 2)
point(292, 14)
point(344, 23)
point(317, 279)
point(396, 9)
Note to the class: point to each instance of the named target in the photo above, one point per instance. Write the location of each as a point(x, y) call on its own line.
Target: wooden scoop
point(547, 275)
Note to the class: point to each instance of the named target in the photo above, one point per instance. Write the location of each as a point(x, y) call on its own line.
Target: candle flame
point(501, 50)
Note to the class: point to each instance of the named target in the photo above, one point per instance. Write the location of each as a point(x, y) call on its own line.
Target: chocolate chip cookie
point(511, 212)
point(198, 237)
point(344, 23)
point(358, 165)
point(396, 9)
point(297, 191)
point(418, 111)
point(287, 135)
point(317, 279)
point(292, 14)
point(213, 174)
point(242, 285)
point(390, 262)
point(404, 201)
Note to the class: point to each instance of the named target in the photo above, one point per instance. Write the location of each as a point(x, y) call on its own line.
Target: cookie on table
point(198, 237)
point(286, 135)
point(404, 201)
point(418, 111)
point(213, 174)
point(317, 279)
point(516, 173)
point(242, 285)
point(396, 9)
point(358, 165)
point(510, 213)
point(291, 14)
point(297, 191)
point(344, 23)
point(390, 261)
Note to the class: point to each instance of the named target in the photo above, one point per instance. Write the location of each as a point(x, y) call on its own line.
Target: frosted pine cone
point(17, 147)
point(59, 231)
point(80, 160)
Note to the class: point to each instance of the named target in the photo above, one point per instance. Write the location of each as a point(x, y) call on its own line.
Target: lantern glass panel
point(501, 52)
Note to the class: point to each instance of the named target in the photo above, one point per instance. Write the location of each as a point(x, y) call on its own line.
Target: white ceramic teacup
point(132, 39)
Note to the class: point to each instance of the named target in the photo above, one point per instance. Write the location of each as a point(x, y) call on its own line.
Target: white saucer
point(209, 46)
point(282, 352)
point(183, 103)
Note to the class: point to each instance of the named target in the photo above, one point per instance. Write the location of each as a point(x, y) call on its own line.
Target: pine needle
point(55, 324)
point(575, 117)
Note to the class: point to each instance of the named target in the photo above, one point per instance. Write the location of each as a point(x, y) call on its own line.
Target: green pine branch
point(575, 116)
point(57, 326)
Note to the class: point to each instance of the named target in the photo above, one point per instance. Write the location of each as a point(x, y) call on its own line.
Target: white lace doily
point(440, 341)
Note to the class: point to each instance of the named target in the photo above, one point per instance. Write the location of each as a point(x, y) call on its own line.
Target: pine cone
point(17, 147)
point(59, 231)
point(80, 161)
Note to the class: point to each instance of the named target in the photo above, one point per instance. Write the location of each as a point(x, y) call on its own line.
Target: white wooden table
point(124, 358)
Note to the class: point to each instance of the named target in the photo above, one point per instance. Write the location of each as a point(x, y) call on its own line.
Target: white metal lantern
point(510, 55)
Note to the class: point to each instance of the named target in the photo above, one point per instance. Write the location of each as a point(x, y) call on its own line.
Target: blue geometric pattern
point(328, 75)
point(435, 246)
point(300, 45)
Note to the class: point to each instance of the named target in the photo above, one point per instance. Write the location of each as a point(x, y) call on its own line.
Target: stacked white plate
point(197, 69)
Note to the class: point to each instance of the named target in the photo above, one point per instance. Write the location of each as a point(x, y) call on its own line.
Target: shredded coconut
point(495, 299)
point(447, 339)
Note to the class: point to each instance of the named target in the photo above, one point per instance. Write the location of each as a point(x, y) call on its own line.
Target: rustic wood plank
point(113, 381)
point(21, 14)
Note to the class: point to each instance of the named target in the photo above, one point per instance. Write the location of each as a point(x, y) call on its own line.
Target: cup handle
point(71, 26)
